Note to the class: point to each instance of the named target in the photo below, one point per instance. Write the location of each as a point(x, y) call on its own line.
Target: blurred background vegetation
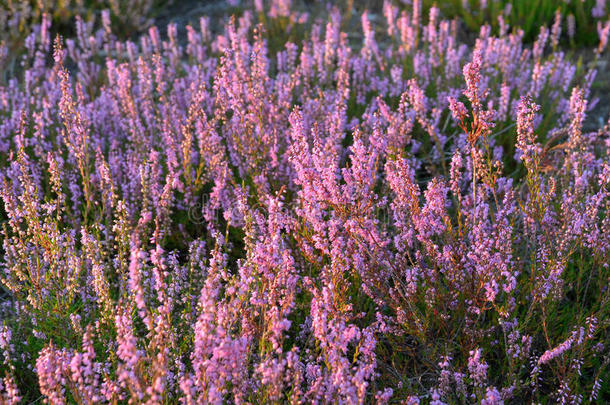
point(19, 18)
point(578, 20)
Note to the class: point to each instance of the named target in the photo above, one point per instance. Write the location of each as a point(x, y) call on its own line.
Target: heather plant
point(220, 220)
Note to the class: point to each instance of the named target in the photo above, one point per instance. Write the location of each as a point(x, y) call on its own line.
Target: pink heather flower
point(528, 148)
point(540, 44)
point(5, 343)
point(458, 110)
point(492, 397)
point(597, 385)
point(50, 367)
point(556, 351)
point(455, 173)
point(280, 8)
point(591, 323)
point(433, 216)
point(604, 32)
point(436, 398)
point(390, 11)
point(571, 26)
point(383, 397)
point(412, 400)
point(472, 76)
point(556, 29)
point(578, 108)
point(477, 367)
point(416, 16)
point(564, 394)
point(9, 393)
point(127, 352)
point(135, 286)
point(504, 103)
point(600, 9)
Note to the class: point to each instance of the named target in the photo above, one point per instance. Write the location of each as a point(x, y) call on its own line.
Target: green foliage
point(528, 15)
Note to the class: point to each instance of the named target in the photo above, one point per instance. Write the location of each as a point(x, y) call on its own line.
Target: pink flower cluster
point(216, 220)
